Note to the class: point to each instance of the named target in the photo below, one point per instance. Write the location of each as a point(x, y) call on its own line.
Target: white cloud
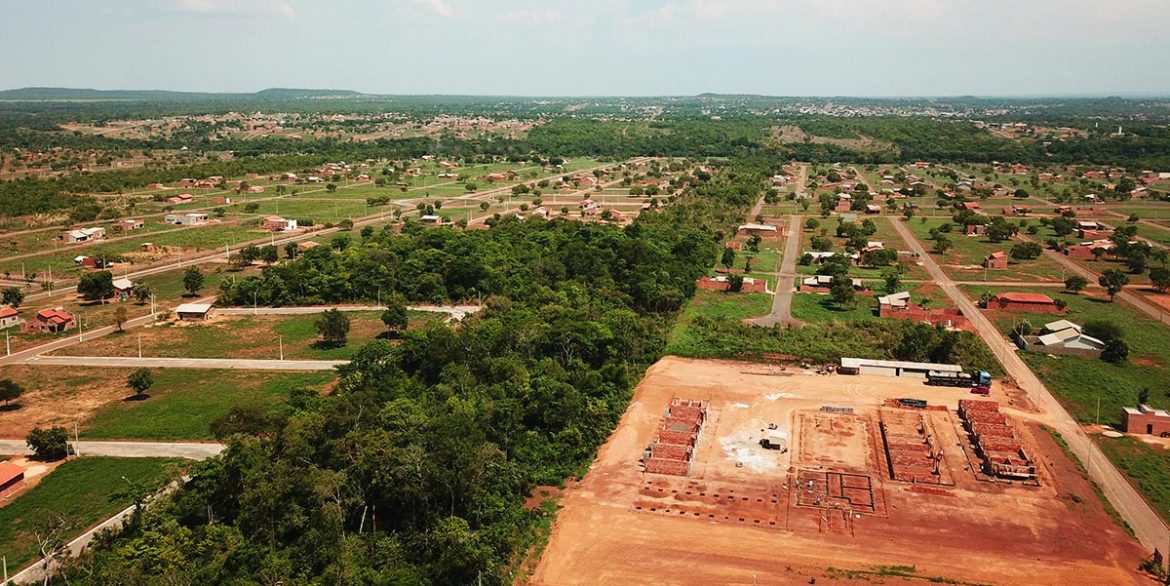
point(250, 8)
point(439, 7)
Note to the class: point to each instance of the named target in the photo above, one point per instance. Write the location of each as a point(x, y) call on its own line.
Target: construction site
point(752, 473)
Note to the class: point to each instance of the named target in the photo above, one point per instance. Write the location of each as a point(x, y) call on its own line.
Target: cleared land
point(747, 514)
point(78, 494)
point(180, 405)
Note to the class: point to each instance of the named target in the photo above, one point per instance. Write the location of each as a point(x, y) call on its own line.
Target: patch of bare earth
point(747, 515)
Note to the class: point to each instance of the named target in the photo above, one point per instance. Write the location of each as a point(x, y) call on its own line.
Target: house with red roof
point(1029, 302)
point(8, 317)
point(53, 320)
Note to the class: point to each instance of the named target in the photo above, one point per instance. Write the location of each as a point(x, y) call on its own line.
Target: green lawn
point(812, 308)
point(183, 403)
point(1147, 467)
point(719, 305)
point(1079, 382)
point(82, 492)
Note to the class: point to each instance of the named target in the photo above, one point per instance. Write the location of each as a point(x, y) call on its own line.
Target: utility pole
point(1098, 410)
point(7, 344)
point(76, 439)
point(281, 340)
point(139, 345)
point(81, 328)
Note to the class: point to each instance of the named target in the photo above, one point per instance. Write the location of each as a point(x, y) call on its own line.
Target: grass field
point(718, 305)
point(963, 261)
point(1080, 382)
point(242, 336)
point(183, 403)
point(1148, 468)
point(813, 308)
point(82, 492)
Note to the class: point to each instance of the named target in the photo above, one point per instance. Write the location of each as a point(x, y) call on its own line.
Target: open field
point(719, 305)
point(963, 261)
point(81, 492)
point(827, 509)
point(241, 336)
point(180, 405)
point(1146, 464)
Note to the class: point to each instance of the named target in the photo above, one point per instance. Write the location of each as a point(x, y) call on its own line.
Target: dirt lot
point(56, 396)
point(827, 508)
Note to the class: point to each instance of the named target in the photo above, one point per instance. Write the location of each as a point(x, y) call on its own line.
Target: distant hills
point(42, 94)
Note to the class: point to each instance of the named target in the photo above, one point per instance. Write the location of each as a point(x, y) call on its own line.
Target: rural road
point(1149, 528)
point(785, 285)
point(189, 450)
point(212, 363)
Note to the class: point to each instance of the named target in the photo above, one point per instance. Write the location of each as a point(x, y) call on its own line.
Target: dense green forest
point(414, 470)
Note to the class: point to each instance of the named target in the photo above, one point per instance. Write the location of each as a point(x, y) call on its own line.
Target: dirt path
point(785, 285)
point(1146, 524)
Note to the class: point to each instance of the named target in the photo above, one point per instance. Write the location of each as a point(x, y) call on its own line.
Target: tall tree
point(193, 281)
point(333, 327)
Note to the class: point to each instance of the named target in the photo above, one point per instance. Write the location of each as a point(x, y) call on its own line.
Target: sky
point(593, 47)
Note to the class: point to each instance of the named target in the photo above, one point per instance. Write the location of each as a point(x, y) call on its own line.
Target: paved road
point(189, 450)
point(785, 281)
point(213, 363)
point(456, 312)
point(1151, 531)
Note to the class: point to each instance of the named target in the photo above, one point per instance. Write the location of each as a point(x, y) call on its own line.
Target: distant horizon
point(630, 48)
point(361, 93)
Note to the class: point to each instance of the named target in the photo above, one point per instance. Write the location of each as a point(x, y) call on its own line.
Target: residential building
point(83, 235)
point(123, 289)
point(279, 224)
point(1064, 338)
point(996, 260)
point(195, 312)
point(8, 317)
point(1146, 420)
point(1029, 302)
point(53, 320)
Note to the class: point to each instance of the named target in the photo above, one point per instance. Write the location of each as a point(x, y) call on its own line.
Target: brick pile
point(910, 447)
point(995, 441)
point(673, 447)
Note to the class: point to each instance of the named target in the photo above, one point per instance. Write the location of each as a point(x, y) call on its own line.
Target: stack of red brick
point(995, 440)
point(674, 446)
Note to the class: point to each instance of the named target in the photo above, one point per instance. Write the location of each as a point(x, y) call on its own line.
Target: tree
point(333, 327)
point(140, 381)
point(728, 258)
point(1026, 251)
point(1144, 396)
point(251, 207)
point(1113, 281)
point(1160, 278)
point(735, 283)
point(10, 391)
point(1075, 283)
point(290, 250)
point(1115, 351)
point(269, 254)
point(346, 224)
point(192, 280)
point(812, 224)
point(48, 444)
point(942, 244)
point(98, 285)
point(12, 296)
point(120, 317)
point(1102, 330)
point(893, 279)
point(841, 290)
point(331, 187)
point(142, 293)
point(483, 206)
point(395, 317)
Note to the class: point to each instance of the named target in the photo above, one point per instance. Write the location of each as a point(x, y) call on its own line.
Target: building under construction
point(995, 441)
point(673, 448)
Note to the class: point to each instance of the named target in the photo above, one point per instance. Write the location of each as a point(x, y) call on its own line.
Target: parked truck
point(958, 379)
